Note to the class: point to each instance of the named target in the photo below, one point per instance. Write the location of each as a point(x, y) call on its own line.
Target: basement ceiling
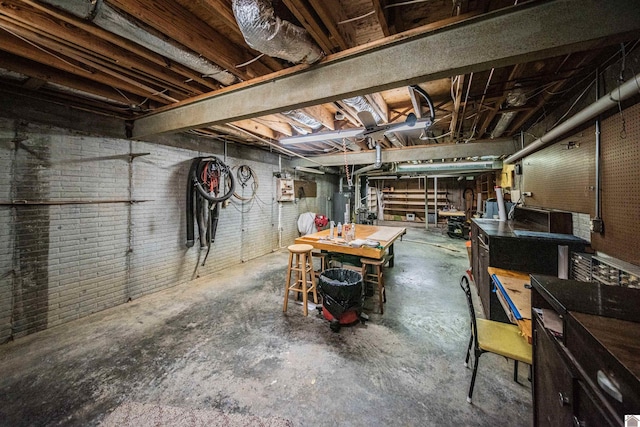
point(136, 60)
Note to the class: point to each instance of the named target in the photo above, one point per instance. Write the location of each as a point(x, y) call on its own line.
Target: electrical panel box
point(284, 190)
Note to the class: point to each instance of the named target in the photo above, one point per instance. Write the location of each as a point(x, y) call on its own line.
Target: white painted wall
point(62, 262)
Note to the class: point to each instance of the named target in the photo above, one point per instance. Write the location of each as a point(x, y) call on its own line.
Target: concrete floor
point(223, 343)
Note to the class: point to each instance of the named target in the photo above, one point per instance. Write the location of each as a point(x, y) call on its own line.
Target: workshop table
point(385, 235)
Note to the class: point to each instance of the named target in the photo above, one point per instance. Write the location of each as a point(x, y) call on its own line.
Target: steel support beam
point(501, 147)
point(522, 33)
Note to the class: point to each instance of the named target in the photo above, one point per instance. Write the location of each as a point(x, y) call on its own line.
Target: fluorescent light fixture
point(309, 170)
point(321, 136)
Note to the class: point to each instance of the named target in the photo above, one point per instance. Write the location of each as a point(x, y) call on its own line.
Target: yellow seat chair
point(488, 336)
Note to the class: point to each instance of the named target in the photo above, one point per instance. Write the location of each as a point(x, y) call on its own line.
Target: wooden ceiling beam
point(64, 104)
point(125, 44)
point(49, 45)
point(18, 47)
point(277, 122)
point(516, 72)
point(321, 114)
point(378, 67)
point(219, 15)
point(41, 72)
point(453, 126)
point(295, 123)
point(332, 13)
point(255, 127)
point(379, 9)
point(170, 19)
point(378, 103)
point(77, 39)
point(546, 95)
point(310, 22)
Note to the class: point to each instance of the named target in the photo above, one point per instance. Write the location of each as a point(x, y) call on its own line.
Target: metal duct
point(359, 103)
point(610, 100)
point(111, 20)
point(376, 165)
point(304, 119)
point(378, 162)
point(267, 33)
point(515, 98)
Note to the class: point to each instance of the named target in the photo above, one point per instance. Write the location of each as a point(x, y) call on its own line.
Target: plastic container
point(342, 295)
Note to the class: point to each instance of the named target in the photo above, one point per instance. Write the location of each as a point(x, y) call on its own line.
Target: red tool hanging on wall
point(209, 184)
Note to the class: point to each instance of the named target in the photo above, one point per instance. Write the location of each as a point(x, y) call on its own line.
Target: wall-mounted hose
point(209, 184)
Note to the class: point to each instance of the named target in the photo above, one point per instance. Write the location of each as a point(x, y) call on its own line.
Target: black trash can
point(342, 296)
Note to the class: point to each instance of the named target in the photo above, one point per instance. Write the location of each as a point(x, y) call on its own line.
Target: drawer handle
point(609, 386)
point(564, 400)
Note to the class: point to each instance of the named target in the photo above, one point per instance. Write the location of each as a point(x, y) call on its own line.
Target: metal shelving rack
point(614, 272)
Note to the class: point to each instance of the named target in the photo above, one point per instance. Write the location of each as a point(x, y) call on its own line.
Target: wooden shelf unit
point(485, 184)
point(400, 202)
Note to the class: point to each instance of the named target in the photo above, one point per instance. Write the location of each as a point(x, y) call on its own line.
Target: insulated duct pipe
point(303, 119)
point(515, 98)
point(359, 103)
point(627, 89)
point(107, 18)
point(267, 33)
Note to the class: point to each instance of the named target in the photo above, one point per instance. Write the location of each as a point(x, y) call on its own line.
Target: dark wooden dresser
point(586, 353)
point(513, 245)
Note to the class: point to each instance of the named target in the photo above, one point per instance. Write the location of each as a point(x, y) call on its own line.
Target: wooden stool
point(300, 261)
point(323, 262)
point(376, 278)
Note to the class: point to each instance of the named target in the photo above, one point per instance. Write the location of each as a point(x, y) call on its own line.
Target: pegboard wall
point(621, 186)
point(562, 176)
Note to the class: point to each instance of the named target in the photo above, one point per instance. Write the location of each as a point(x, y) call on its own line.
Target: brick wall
point(61, 261)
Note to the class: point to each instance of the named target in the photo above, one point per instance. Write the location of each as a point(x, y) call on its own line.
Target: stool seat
point(376, 279)
point(300, 262)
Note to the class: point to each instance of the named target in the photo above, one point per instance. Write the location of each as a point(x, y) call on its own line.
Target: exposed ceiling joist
point(568, 26)
point(425, 152)
point(69, 24)
point(378, 7)
point(170, 19)
point(332, 14)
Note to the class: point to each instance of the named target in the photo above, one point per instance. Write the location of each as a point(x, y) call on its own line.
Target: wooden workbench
point(385, 235)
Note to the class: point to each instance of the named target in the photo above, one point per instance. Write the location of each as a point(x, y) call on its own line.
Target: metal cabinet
point(495, 244)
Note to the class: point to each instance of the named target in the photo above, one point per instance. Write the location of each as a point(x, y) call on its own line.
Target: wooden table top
point(516, 298)
point(385, 235)
point(451, 213)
